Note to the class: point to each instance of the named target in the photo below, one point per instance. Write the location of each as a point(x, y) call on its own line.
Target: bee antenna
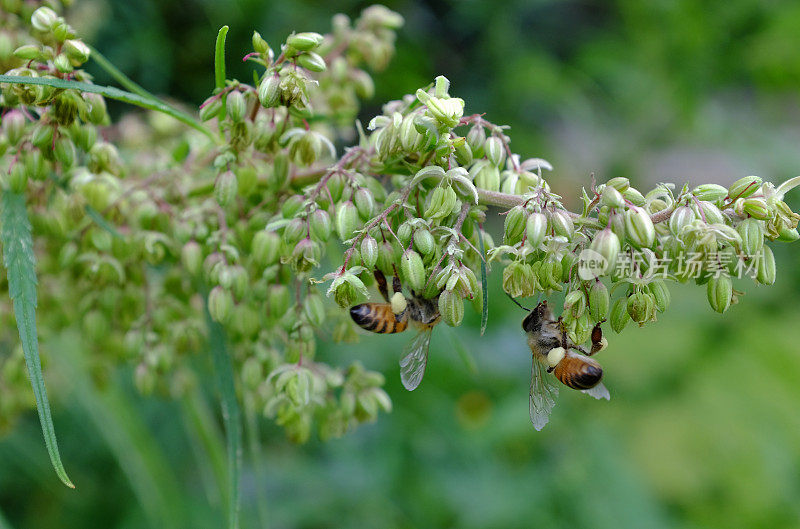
point(517, 302)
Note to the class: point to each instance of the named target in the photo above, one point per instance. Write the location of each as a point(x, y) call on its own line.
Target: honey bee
point(395, 316)
point(554, 353)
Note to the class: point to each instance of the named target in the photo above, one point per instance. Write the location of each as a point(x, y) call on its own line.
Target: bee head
point(533, 321)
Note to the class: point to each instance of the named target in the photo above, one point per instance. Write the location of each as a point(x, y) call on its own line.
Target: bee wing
point(412, 366)
point(598, 392)
point(543, 395)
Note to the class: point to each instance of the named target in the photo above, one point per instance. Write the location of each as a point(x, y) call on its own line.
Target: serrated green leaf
point(231, 415)
point(20, 264)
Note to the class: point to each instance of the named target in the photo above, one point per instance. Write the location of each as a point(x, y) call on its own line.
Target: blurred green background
point(703, 429)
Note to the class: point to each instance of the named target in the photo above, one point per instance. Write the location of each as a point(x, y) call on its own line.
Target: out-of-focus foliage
point(702, 429)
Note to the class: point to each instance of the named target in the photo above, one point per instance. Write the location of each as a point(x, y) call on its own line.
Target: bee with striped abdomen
point(553, 352)
point(395, 316)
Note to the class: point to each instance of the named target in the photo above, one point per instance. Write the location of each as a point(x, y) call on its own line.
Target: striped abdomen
point(378, 317)
point(578, 371)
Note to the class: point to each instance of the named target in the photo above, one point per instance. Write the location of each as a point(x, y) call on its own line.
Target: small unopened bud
point(424, 241)
point(294, 231)
point(314, 309)
point(744, 187)
point(269, 91)
point(639, 227)
point(225, 188)
point(611, 197)
point(304, 41)
point(599, 301)
point(463, 152)
point(634, 197)
point(365, 203)
point(18, 178)
point(95, 111)
point(788, 234)
point(413, 270)
point(639, 304)
point(515, 224)
point(710, 192)
point(192, 257)
point(265, 248)
point(62, 63)
point(536, 229)
point(260, 45)
point(606, 243)
point(752, 233)
point(278, 300)
point(476, 138)
point(311, 61)
point(77, 51)
point(64, 152)
point(757, 208)
point(620, 183)
point(562, 223)
point(42, 136)
point(494, 150)
point(14, 126)
point(660, 292)
point(681, 217)
point(710, 213)
point(575, 302)
point(27, 52)
point(766, 267)
point(320, 225)
point(346, 220)
point(720, 291)
point(220, 304)
point(619, 315)
point(236, 105)
point(369, 251)
point(451, 307)
point(519, 280)
point(43, 18)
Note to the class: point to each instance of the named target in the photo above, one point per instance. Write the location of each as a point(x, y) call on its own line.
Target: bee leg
point(396, 286)
point(550, 369)
point(597, 340)
point(381, 280)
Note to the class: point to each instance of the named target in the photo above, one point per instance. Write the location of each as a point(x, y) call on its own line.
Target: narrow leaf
point(100, 221)
point(112, 93)
point(484, 287)
point(125, 81)
point(219, 58)
point(20, 263)
point(231, 416)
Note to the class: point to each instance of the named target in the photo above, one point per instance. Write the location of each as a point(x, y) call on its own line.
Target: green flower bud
point(413, 270)
point(515, 224)
point(265, 248)
point(362, 83)
point(76, 51)
point(260, 45)
point(28, 52)
point(43, 19)
point(562, 223)
point(710, 213)
point(346, 220)
point(280, 172)
point(441, 203)
point(619, 315)
point(639, 227)
point(639, 305)
point(346, 289)
point(495, 151)
point(314, 309)
point(247, 179)
point(575, 303)
point(192, 257)
point(304, 41)
point(681, 217)
point(386, 256)
point(236, 105)
point(720, 292)
point(788, 234)
point(42, 136)
point(14, 126)
point(620, 183)
point(744, 187)
point(757, 208)
point(369, 251)
point(611, 197)
point(476, 137)
point(710, 192)
point(599, 301)
point(294, 231)
point(766, 267)
point(320, 224)
point(269, 91)
point(312, 62)
point(424, 241)
point(752, 233)
point(519, 280)
point(451, 307)
point(64, 152)
point(220, 304)
point(486, 175)
point(103, 156)
point(536, 229)
point(18, 178)
point(606, 243)
point(62, 31)
point(365, 203)
point(462, 152)
point(278, 301)
point(62, 63)
point(291, 206)
point(225, 188)
point(634, 197)
point(404, 233)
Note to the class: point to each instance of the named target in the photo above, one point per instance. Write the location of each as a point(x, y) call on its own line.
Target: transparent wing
point(598, 392)
point(412, 366)
point(543, 395)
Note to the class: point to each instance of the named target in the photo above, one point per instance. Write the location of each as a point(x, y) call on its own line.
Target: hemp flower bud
point(365, 203)
point(640, 307)
point(192, 257)
point(710, 213)
point(710, 192)
point(752, 233)
point(562, 223)
point(611, 197)
point(42, 136)
point(346, 220)
point(660, 292)
point(346, 289)
point(766, 267)
point(225, 188)
point(757, 208)
point(260, 45)
point(486, 175)
point(462, 152)
point(77, 52)
point(278, 300)
point(441, 204)
point(575, 303)
point(386, 256)
point(788, 234)
point(13, 124)
point(413, 270)
point(476, 137)
point(744, 187)
point(304, 41)
point(681, 217)
point(363, 84)
point(320, 225)
point(519, 280)
point(515, 224)
point(634, 197)
point(424, 241)
point(18, 178)
point(451, 307)
point(494, 150)
point(639, 228)
point(269, 91)
point(536, 229)
point(62, 63)
point(28, 52)
point(369, 252)
point(619, 315)
point(236, 105)
point(43, 18)
point(294, 231)
point(719, 291)
point(220, 304)
point(64, 152)
point(314, 309)
point(312, 61)
point(606, 243)
point(620, 183)
point(599, 301)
